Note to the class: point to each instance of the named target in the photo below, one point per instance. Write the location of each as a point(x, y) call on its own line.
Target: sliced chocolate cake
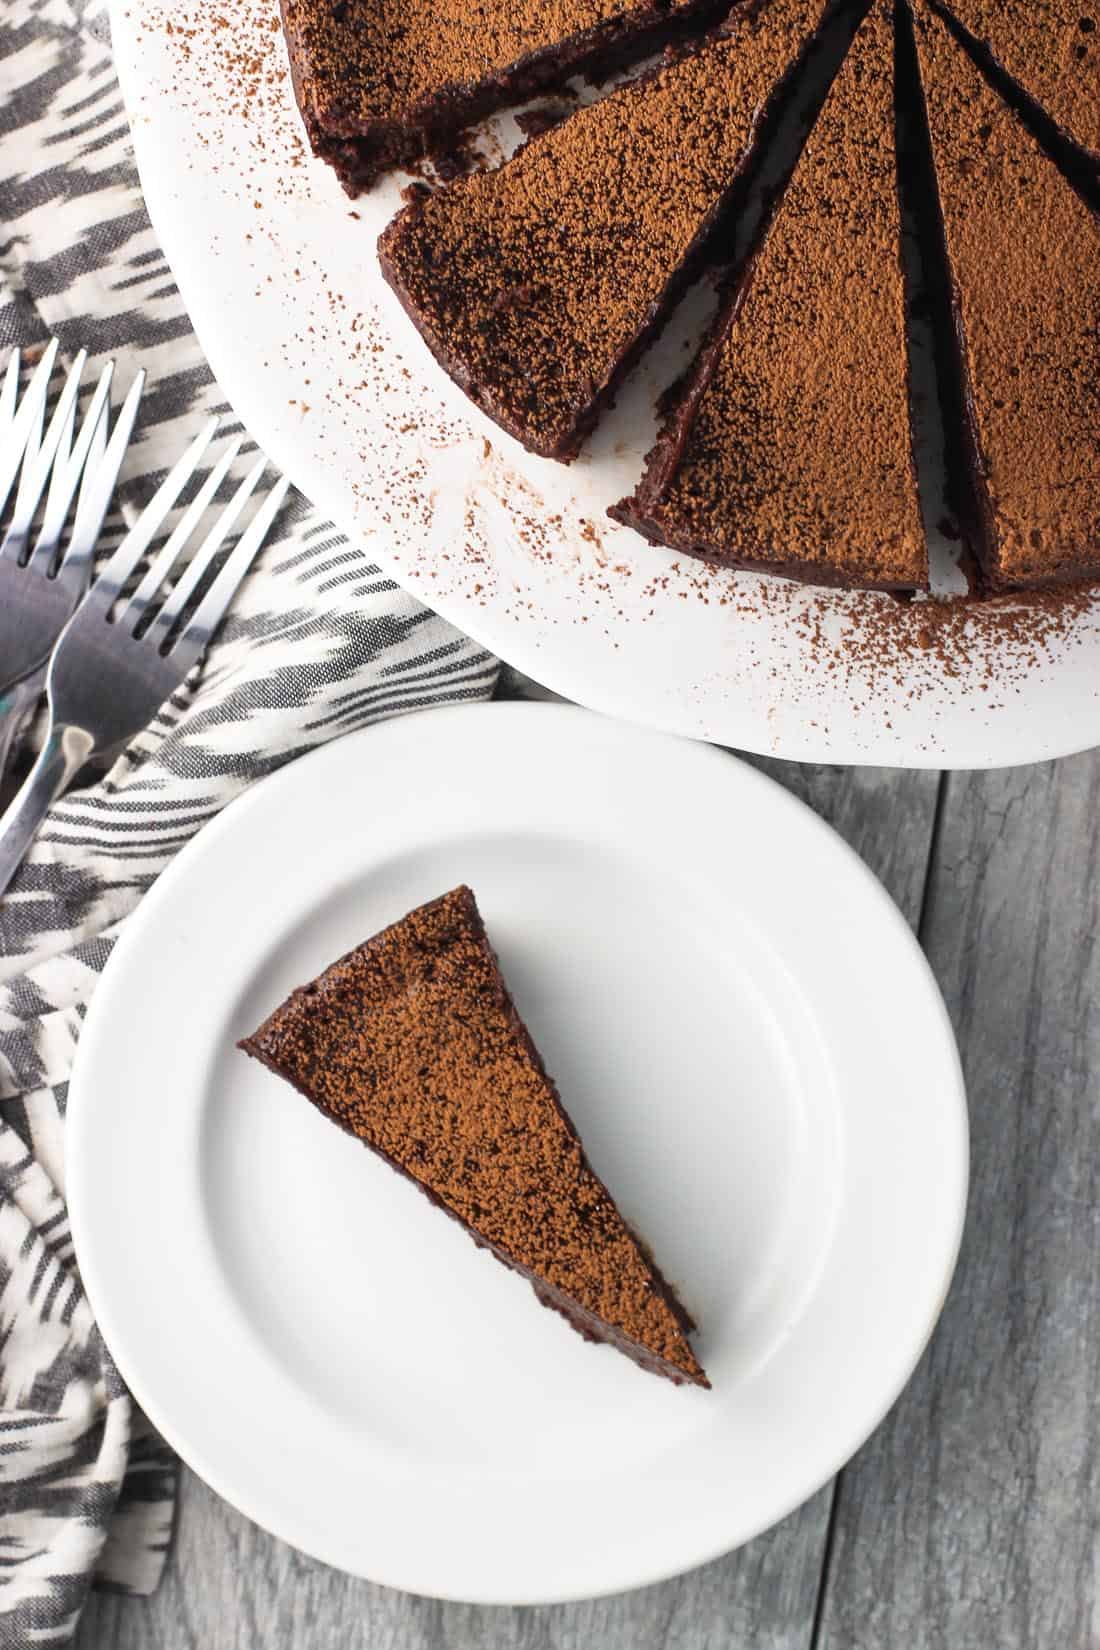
point(381, 84)
point(412, 1044)
point(789, 448)
point(1051, 49)
point(1022, 255)
point(537, 285)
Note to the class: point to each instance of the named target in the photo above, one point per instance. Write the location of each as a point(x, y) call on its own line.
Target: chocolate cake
point(537, 285)
point(1022, 264)
point(412, 1044)
point(379, 85)
point(1051, 49)
point(789, 447)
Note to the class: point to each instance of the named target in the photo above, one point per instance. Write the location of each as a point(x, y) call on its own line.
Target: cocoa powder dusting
point(533, 282)
point(994, 643)
point(244, 85)
point(1052, 49)
point(366, 62)
point(1025, 259)
point(412, 1043)
point(798, 452)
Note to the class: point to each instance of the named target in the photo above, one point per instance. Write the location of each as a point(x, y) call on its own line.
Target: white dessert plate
point(755, 1054)
point(279, 272)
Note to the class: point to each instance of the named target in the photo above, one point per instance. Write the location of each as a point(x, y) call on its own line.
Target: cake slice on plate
point(380, 85)
point(789, 447)
point(538, 285)
point(1051, 49)
point(412, 1043)
point(1022, 261)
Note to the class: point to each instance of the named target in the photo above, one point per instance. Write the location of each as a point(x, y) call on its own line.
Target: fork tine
point(95, 453)
point(211, 610)
point(15, 441)
point(121, 564)
point(188, 581)
point(10, 392)
point(68, 469)
point(165, 559)
point(101, 473)
point(40, 456)
point(40, 453)
point(59, 470)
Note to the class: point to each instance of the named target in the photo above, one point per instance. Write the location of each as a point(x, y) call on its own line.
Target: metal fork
point(41, 582)
point(112, 669)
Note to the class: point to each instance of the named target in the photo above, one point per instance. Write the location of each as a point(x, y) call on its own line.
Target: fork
point(41, 583)
point(120, 657)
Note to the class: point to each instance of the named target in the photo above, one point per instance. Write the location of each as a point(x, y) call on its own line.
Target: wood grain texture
point(232, 1587)
point(970, 1521)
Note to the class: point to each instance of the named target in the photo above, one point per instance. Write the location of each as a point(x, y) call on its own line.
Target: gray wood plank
point(971, 1519)
point(233, 1587)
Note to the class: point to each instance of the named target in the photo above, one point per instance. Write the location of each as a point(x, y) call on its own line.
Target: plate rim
point(81, 1196)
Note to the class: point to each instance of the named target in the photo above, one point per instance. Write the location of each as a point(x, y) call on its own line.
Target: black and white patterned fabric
point(318, 642)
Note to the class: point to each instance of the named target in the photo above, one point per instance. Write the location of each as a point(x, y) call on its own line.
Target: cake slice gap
point(788, 447)
point(382, 85)
point(1050, 51)
point(538, 285)
point(412, 1044)
point(1021, 256)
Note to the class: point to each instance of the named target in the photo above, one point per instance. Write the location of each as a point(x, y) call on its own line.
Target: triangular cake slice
point(789, 447)
point(412, 1043)
point(1051, 49)
point(537, 285)
point(380, 84)
point(1022, 257)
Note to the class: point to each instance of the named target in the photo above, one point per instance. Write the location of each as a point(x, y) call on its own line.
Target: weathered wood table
point(971, 1520)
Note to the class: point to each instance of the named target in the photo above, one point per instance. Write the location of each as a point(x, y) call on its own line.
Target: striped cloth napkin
point(319, 642)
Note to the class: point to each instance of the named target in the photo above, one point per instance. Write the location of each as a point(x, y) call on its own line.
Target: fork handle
point(66, 750)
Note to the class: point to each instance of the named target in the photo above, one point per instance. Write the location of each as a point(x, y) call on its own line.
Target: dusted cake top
point(532, 283)
point(1052, 49)
point(791, 448)
point(369, 60)
point(412, 1043)
point(1024, 253)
